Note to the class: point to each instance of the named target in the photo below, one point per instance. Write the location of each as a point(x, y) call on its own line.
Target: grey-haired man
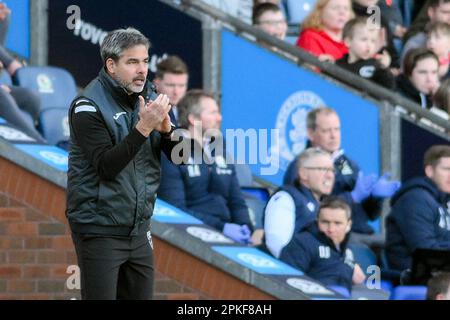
point(114, 170)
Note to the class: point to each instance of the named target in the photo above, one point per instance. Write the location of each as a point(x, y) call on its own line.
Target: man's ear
point(429, 171)
point(192, 119)
point(349, 227)
point(310, 133)
point(156, 81)
point(301, 173)
point(110, 66)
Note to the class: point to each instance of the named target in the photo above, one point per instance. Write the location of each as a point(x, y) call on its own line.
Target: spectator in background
point(171, 79)
point(15, 100)
point(385, 45)
point(361, 41)
point(436, 11)
point(269, 18)
point(322, 29)
point(420, 78)
point(394, 16)
point(207, 187)
point(320, 249)
point(295, 205)
point(364, 193)
point(438, 287)
point(441, 105)
point(5, 16)
point(441, 99)
point(420, 216)
point(438, 41)
point(241, 9)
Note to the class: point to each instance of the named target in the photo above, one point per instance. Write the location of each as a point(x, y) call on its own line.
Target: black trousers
point(115, 267)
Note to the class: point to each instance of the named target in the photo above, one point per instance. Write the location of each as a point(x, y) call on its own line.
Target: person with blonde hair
point(322, 29)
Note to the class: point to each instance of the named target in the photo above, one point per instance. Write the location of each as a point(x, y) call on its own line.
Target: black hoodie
point(419, 218)
point(407, 89)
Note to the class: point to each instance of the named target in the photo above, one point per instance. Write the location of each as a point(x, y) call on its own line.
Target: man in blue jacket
point(295, 205)
point(320, 250)
point(420, 215)
point(362, 192)
point(207, 187)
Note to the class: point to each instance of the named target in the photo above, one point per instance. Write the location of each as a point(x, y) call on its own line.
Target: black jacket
point(114, 171)
point(406, 88)
point(419, 218)
point(208, 191)
point(369, 69)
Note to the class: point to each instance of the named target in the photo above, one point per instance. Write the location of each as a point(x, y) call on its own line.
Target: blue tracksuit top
point(210, 192)
point(312, 252)
point(419, 218)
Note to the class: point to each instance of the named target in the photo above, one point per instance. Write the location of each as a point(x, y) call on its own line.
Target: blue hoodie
point(419, 218)
point(315, 254)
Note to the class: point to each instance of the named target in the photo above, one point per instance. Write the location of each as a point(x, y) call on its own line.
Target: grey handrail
point(299, 55)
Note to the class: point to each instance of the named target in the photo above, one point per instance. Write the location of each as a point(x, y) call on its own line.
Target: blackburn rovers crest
point(291, 123)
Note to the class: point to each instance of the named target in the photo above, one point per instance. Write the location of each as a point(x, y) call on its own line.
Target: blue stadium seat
point(387, 285)
point(256, 210)
point(258, 192)
point(5, 78)
point(55, 86)
point(245, 178)
point(409, 293)
point(364, 256)
point(54, 125)
point(244, 175)
point(297, 10)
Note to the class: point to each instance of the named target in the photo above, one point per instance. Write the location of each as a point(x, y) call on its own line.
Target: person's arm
point(236, 203)
point(416, 223)
point(384, 77)
point(297, 253)
point(171, 188)
point(279, 222)
point(91, 134)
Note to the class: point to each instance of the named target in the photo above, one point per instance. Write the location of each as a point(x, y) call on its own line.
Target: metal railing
point(302, 57)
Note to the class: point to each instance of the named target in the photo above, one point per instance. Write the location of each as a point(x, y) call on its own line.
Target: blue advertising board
point(166, 213)
point(262, 92)
point(53, 156)
point(18, 37)
point(256, 260)
point(77, 49)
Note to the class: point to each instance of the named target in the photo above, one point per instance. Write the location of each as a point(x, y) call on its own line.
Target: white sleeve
point(279, 222)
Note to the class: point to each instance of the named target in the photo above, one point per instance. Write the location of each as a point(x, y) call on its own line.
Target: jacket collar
point(322, 238)
point(118, 92)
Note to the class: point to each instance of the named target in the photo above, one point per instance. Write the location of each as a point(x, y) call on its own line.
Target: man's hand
point(153, 115)
point(384, 58)
point(358, 275)
point(165, 126)
point(364, 186)
point(257, 237)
